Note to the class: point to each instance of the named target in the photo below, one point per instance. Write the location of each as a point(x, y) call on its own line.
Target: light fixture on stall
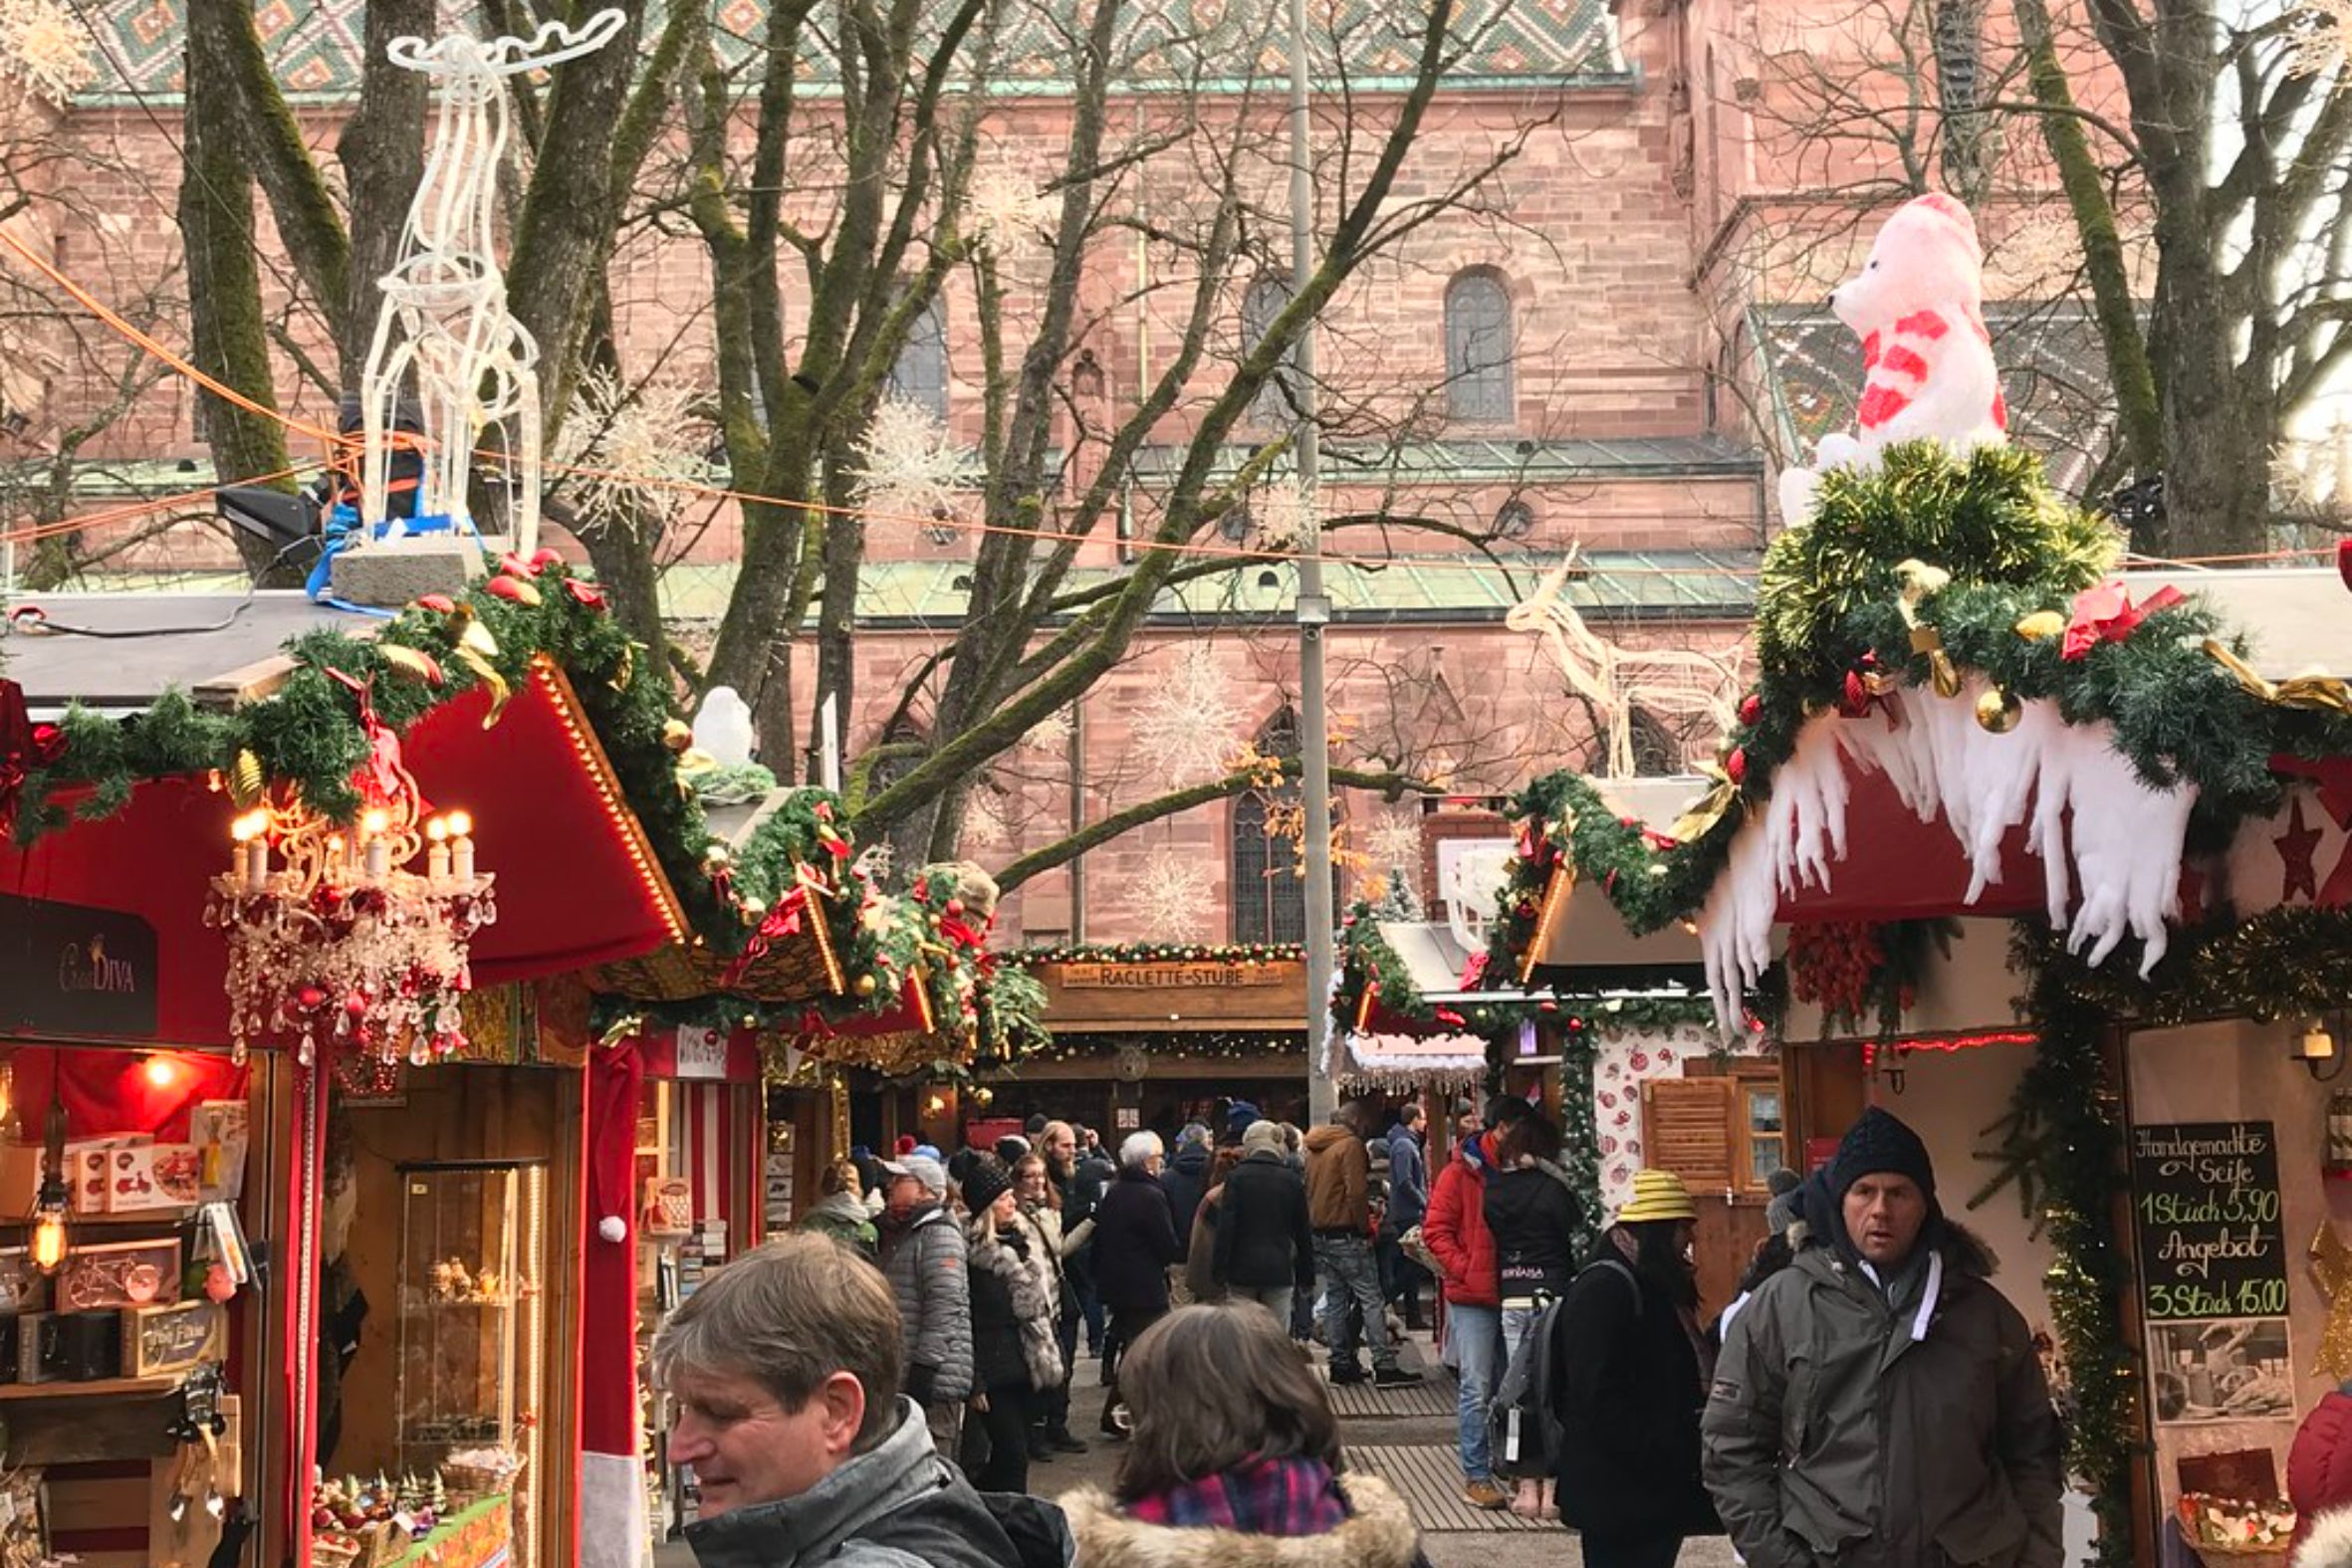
point(2316, 1050)
point(162, 1072)
point(355, 940)
point(50, 1241)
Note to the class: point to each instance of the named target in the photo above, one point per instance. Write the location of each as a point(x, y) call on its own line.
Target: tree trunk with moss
point(2139, 415)
point(228, 340)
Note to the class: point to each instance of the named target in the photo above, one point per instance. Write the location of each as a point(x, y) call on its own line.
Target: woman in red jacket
point(1455, 1231)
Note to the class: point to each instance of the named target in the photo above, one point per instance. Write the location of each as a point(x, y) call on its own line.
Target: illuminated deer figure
point(444, 320)
point(1673, 681)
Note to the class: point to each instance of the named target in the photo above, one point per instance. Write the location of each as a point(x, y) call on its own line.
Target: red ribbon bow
point(23, 745)
point(783, 920)
point(381, 777)
point(2106, 613)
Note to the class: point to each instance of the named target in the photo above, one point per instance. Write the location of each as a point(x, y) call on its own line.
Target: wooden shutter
point(1686, 1129)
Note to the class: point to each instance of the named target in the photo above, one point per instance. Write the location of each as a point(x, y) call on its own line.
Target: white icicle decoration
point(2097, 826)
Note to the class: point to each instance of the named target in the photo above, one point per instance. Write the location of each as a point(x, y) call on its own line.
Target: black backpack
point(1522, 1421)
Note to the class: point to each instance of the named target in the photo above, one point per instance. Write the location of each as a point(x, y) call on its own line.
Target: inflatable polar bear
point(1918, 305)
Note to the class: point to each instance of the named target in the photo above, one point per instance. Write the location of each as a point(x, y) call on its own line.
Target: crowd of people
point(874, 1392)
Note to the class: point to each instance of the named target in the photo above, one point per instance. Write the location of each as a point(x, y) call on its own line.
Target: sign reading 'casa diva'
point(1171, 976)
point(75, 970)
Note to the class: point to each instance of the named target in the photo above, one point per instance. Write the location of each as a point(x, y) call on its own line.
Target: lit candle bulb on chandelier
point(251, 863)
point(338, 860)
point(437, 855)
point(377, 848)
point(461, 846)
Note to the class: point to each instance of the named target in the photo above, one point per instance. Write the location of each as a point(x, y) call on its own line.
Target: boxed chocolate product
point(89, 1345)
point(112, 1275)
point(142, 1177)
point(221, 1132)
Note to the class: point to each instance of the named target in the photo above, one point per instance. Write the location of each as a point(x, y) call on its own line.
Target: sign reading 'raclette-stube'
point(2212, 1242)
point(1172, 976)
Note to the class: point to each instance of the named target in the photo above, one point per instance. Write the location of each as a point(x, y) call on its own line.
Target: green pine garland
point(1828, 609)
point(1157, 953)
point(308, 735)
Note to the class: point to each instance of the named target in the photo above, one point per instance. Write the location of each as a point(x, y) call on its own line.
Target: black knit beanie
point(1879, 1144)
point(985, 1183)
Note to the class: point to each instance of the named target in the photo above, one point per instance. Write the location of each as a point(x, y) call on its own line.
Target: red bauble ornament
point(955, 906)
point(219, 1285)
point(1735, 767)
point(1750, 708)
point(311, 998)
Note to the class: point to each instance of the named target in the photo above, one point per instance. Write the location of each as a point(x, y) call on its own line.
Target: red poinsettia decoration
point(23, 745)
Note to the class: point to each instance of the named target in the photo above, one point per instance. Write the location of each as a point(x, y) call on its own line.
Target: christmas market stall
point(1157, 1035)
point(1611, 1036)
point(724, 1079)
point(2058, 851)
point(369, 871)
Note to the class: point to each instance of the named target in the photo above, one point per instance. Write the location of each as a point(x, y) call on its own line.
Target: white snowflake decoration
point(631, 449)
point(2323, 40)
point(1188, 727)
point(984, 821)
point(2044, 251)
point(1284, 511)
point(1171, 896)
point(910, 469)
point(1050, 733)
point(1395, 840)
point(1006, 208)
point(45, 47)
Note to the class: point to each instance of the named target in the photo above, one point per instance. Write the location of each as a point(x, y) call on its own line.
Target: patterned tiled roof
point(316, 44)
point(2054, 374)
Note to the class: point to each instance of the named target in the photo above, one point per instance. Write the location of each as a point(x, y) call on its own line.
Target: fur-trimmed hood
point(2328, 1542)
point(1379, 1534)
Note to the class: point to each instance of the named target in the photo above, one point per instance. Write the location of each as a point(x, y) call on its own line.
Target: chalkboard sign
point(2213, 1243)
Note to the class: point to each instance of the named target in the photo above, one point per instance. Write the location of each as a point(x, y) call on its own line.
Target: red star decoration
point(2295, 848)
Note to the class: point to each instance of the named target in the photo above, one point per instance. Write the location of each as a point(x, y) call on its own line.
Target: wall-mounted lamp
point(2316, 1050)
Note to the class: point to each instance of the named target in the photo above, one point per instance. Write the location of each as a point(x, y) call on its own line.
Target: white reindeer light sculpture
point(444, 318)
point(1674, 681)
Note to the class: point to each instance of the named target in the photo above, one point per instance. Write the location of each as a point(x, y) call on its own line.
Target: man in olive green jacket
point(1878, 1404)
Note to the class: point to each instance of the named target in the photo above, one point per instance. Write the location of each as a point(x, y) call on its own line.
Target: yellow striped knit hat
point(1657, 1195)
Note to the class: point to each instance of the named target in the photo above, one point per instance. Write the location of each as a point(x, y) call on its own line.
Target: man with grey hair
point(784, 1373)
point(923, 1255)
point(1134, 1243)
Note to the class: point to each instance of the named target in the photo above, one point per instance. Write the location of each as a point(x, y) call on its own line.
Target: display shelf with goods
point(471, 1323)
point(129, 1329)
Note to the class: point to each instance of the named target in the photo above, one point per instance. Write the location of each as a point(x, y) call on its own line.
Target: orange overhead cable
point(108, 314)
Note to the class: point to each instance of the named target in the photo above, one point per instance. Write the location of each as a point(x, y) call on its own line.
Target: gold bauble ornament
point(1999, 711)
point(246, 781)
point(867, 984)
point(2042, 626)
point(676, 735)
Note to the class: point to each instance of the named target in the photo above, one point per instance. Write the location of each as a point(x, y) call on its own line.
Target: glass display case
point(473, 1325)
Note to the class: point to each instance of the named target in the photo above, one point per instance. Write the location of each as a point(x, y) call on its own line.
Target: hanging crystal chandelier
point(337, 943)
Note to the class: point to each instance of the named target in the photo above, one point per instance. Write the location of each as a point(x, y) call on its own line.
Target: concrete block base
point(390, 573)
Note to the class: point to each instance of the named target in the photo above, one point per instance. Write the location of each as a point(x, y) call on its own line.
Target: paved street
point(1405, 1435)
